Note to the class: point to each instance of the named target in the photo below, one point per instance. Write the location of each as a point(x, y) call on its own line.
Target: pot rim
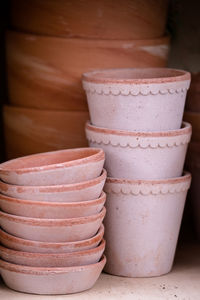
point(55, 188)
point(92, 155)
point(32, 243)
point(48, 270)
point(46, 204)
point(186, 129)
point(166, 75)
point(18, 253)
point(53, 222)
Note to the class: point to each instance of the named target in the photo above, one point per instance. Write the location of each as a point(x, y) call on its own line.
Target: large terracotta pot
point(45, 72)
point(105, 19)
point(142, 225)
point(194, 119)
point(193, 99)
point(28, 131)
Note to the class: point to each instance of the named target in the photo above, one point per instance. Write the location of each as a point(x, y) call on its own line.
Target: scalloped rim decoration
point(145, 187)
point(123, 139)
point(123, 89)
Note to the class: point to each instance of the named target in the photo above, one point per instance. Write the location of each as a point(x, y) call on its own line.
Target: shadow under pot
point(144, 217)
point(142, 155)
point(147, 99)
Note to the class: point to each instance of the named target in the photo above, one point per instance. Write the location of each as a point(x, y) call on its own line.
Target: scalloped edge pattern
point(135, 142)
point(124, 89)
point(146, 189)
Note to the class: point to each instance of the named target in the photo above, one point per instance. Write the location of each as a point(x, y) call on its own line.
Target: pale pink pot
point(16, 243)
point(75, 192)
point(81, 258)
point(54, 168)
point(52, 230)
point(50, 281)
point(142, 155)
point(142, 225)
point(137, 99)
point(51, 210)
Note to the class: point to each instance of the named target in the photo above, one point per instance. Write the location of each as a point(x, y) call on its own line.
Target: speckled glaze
point(50, 68)
point(52, 230)
point(16, 243)
point(137, 99)
point(50, 281)
point(105, 19)
point(28, 131)
point(77, 192)
point(81, 258)
point(54, 168)
point(141, 155)
point(144, 217)
point(51, 210)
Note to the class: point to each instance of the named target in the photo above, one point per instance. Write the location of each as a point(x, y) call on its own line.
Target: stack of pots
point(51, 44)
point(136, 118)
point(52, 208)
point(192, 115)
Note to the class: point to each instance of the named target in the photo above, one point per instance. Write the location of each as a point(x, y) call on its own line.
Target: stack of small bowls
point(136, 118)
point(52, 208)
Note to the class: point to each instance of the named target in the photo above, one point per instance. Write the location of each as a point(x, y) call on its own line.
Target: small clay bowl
point(51, 210)
point(141, 154)
point(15, 243)
point(81, 258)
point(50, 281)
point(144, 99)
point(52, 230)
point(76, 192)
point(54, 168)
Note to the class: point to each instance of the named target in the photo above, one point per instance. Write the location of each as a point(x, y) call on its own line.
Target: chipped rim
point(31, 243)
point(101, 76)
point(48, 270)
point(145, 187)
point(54, 188)
point(53, 222)
point(94, 155)
point(46, 204)
point(18, 253)
point(187, 129)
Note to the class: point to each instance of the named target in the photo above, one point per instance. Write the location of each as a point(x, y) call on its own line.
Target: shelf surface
point(182, 283)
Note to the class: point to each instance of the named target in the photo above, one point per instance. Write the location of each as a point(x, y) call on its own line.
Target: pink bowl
point(52, 230)
point(51, 210)
point(54, 168)
point(50, 281)
point(81, 258)
point(86, 190)
point(16, 243)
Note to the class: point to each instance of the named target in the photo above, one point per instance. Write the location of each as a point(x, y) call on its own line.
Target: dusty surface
point(182, 283)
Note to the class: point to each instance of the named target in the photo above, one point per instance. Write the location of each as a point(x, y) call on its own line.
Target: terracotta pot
point(121, 19)
point(51, 281)
point(52, 230)
point(29, 131)
point(142, 155)
point(193, 103)
point(137, 99)
point(50, 69)
point(81, 258)
point(144, 217)
point(16, 243)
point(77, 192)
point(51, 210)
point(54, 168)
point(194, 119)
